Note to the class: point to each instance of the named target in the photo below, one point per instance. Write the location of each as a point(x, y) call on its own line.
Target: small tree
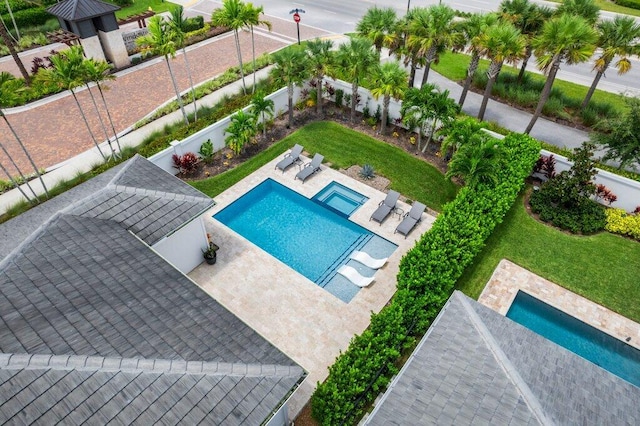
point(261, 107)
point(389, 81)
point(477, 161)
point(623, 139)
point(290, 69)
point(241, 130)
point(458, 133)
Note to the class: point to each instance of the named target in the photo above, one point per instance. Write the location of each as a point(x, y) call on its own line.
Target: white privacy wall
point(183, 248)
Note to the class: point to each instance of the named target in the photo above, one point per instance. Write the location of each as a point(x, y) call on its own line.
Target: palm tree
point(356, 59)
point(321, 62)
point(425, 108)
point(290, 69)
point(472, 29)
point(501, 43)
point(431, 33)
point(566, 38)
point(529, 18)
point(99, 72)
point(6, 38)
point(397, 44)
point(160, 41)
point(377, 25)
point(458, 133)
point(584, 8)
point(232, 15)
point(241, 129)
point(10, 89)
point(616, 39)
point(66, 73)
point(16, 184)
point(177, 24)
point(262, 107)
point(389, 81)
point(477, 161)
point(251, 19)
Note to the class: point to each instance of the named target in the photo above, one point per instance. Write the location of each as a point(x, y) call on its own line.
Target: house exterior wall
point(183, 248)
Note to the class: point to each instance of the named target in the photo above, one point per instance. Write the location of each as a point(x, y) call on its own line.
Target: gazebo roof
point(79, 10)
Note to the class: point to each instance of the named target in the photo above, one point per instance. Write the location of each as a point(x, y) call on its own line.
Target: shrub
point(339, 96)
point(186, 164)
point(29, 17)
point(633, 4)
point(206, 151)
point(193, 24)
point(621, 222)
point(123, 3)
point(426, 279)
point(367, 172)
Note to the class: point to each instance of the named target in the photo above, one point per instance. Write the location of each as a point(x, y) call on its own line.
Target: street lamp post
point(296, 17)
point(408, 5)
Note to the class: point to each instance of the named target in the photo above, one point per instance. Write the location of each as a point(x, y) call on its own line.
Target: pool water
point(341, 199)
point(580, 338)
point(305, 235)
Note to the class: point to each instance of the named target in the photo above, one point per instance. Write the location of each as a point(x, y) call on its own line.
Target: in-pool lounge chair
point(411, 219)
point(290, 158)
point(385, 207)
point(354, 276)
point(310, 168)
point(367, 260)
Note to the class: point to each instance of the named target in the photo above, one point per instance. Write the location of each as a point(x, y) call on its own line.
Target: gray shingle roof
point(76, 389)
point(78, 10)
point(477, 366)
point(83, 285)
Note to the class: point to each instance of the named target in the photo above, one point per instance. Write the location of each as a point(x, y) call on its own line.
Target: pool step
point(328, 273)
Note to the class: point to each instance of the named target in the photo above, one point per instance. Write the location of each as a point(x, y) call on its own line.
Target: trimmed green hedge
point(633, 4)
point(426, 279)
point(29, 17)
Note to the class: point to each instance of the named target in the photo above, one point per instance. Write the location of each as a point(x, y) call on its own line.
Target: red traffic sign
point(296, 17)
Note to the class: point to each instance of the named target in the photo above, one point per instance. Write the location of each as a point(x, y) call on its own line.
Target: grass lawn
point(343, 147)
point(140, 6)
point(454, 67)
point(610, 6)
point(603, 268)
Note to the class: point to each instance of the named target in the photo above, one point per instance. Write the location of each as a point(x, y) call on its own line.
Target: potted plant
point(210, 253)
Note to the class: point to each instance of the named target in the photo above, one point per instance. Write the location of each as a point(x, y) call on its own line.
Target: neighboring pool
point(341, 199)
point(580, 338)
point(303, 234)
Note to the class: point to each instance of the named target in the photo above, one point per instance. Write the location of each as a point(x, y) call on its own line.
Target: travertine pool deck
point(303, 320)
point(508, 278)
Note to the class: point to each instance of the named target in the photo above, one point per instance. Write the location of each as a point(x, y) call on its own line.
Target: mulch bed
point(225, 159)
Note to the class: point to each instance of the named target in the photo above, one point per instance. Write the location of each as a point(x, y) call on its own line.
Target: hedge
point(426, 279)
point(29, 17)
point(633, 4)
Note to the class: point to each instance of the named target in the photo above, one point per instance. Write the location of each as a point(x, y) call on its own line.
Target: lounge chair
point(310, 168)
point(411, 219)
point(385, 207)
point(367, 260)
point(290, 158)
point(354, 276)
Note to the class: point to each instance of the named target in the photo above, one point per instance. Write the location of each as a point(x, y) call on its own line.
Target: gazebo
point(95, 23)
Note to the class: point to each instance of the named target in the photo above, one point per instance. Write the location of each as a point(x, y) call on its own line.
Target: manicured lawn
point(603, 268)
point(140, 6)
point(611, 7)
point(343, 147)
point(454, 67)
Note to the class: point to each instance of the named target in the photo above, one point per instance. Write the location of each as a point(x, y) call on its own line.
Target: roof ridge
point(502, 359)
point(138, 365)
point(155, 193)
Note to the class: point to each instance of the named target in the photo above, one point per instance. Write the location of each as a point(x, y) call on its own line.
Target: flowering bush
point(621, 222)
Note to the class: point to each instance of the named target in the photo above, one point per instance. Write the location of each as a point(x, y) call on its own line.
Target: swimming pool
point(580, 338)
point(301, 233)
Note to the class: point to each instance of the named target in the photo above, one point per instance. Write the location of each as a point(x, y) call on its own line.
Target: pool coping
point(303, 320)
point(508, 278)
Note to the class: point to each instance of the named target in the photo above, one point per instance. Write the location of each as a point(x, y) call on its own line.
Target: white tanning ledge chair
point(354, 276)
point(367, 260)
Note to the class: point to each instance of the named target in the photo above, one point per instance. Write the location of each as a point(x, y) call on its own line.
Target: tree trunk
point(264, 126)
point(253, 51)
point(175, 87)
point(494, 70)
point(592, 89)
point(431, 132)
point(430, 57)
point(290, 95)
point(84, 118)
point(525, 61)
point(473, 66)
point(104, 101)
point(237, 37)
point(385, 113)
point(193, 90)
point(319, 95)
point(546, 91)
point(13, 19)
point(36, 200)
point(354, 95)
point(9, 43)
point(24, 148)
point(104, 128)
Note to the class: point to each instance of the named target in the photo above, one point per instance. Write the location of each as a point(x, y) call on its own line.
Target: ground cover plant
point(603, 268)
point(343, 147)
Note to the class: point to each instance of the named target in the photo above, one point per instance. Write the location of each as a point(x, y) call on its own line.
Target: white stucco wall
point(93, 48)
point(183, 248)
